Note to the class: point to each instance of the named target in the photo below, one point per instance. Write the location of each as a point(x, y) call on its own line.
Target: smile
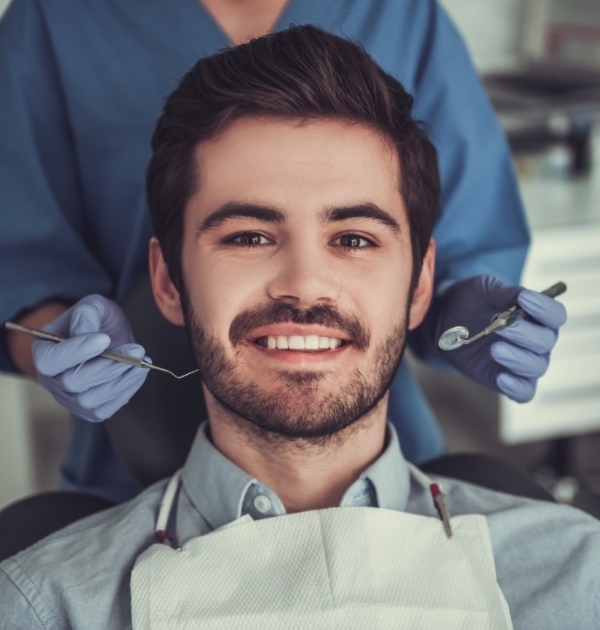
point(311, 343)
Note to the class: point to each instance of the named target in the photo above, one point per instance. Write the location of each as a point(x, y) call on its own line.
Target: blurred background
point(540, 63)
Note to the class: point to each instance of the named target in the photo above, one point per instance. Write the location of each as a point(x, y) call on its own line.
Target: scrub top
point(81, 86)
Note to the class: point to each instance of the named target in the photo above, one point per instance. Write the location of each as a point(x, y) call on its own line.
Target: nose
point(303, 276)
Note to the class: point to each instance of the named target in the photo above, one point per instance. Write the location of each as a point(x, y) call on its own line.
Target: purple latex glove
point(91, 388)
point(510, 360)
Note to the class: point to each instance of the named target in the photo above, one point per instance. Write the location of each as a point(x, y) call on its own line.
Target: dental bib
point(347, 568)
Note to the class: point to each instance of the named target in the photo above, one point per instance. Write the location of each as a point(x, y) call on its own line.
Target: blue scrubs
point(81, 86)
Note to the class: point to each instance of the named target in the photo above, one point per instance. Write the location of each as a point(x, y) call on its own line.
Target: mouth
point(301, 343)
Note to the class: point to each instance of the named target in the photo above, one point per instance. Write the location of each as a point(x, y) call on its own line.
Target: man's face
point(297, 266)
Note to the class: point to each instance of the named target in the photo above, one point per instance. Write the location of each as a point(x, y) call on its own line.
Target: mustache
point(282, 313)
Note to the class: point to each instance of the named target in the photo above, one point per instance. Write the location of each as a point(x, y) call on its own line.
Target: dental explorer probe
point(107, 354)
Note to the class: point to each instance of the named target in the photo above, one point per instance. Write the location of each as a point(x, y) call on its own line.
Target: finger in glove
point(517, 388)
point(543, 309)
point(86, 316)
point(98, 370)
point(97, 313)
point(52, 358)
point(96, 397)
point(108, 409)
point(519, 361)
point(531, 336)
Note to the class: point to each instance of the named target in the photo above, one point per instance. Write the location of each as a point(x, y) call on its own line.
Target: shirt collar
point(220, 491)
point(214, 484)
point(388, 475)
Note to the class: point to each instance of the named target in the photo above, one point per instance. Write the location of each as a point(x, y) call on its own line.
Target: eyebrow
point(233, 209)
point(361, 211)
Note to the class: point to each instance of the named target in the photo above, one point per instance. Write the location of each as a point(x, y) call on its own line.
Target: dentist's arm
point(19, 345)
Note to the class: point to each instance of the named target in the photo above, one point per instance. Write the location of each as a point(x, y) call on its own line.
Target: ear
point(166, 295)
point(423, 292)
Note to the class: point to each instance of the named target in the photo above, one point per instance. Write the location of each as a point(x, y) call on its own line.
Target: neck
point(305, 474)
point(241, 21)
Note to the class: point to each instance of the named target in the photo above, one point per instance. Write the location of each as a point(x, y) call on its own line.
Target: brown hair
point(301, 73)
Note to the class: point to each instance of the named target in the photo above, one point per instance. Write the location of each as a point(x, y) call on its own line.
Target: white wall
point(16, 466)
point(490, 28)
point(3, 5)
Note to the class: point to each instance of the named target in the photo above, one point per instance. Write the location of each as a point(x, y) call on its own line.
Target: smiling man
point(291, 243)
point(293, 199)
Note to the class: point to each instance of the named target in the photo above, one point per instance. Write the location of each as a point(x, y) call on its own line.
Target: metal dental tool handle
point(459, 335)
point(107, 354)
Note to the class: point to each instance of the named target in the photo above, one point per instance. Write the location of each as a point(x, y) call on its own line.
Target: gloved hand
point(91, 388)
point(510, 360)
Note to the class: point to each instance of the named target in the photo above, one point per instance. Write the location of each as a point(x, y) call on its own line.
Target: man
point(293, 198)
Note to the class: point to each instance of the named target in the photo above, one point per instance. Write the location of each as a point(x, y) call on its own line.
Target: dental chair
point(154, 431)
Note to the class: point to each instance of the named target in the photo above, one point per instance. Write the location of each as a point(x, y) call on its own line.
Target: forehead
point(295, 165)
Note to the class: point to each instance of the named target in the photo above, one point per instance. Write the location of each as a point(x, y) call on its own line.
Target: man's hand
point(89, 386)
point(510, 360)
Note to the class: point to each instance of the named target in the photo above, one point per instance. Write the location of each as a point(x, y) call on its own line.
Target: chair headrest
point(153, 433)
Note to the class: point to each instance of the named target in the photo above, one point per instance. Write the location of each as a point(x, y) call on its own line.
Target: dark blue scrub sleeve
point(43, 231)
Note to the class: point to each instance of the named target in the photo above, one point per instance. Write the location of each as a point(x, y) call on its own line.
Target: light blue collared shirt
point(547, 556)
point(221, 492)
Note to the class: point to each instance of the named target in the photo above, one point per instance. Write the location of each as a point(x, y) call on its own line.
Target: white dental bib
point(346, 568)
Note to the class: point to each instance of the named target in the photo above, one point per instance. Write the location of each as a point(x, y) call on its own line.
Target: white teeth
point(311, 342)
point(298, 342)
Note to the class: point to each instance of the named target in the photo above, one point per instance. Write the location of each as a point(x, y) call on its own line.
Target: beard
point(303, 404)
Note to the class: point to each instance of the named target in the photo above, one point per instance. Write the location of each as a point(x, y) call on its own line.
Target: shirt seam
point(50, 611)
point(193, 502)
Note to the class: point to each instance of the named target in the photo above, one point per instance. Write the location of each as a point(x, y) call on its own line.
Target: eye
point(353, 242)
point(248, 239)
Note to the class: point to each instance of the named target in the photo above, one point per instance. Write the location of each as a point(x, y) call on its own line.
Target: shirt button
point(262, 503)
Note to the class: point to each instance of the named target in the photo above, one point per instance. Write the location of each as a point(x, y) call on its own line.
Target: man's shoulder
point(510, 515)
point(84, 566)
point(546, 555)
point(114, 526)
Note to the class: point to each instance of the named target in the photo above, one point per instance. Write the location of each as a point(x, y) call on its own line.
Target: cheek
point(385, 310)
point(381, 290)
point(222, 292)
